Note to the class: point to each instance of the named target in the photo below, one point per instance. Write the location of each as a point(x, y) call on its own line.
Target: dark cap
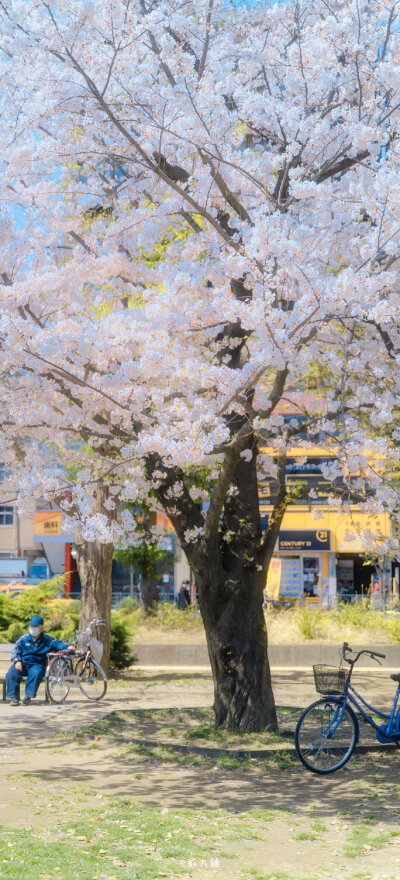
point(36, 620)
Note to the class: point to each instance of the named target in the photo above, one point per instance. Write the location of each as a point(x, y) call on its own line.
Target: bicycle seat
point(395, 676)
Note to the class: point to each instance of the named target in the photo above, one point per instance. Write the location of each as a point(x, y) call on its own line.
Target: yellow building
point(318, 559)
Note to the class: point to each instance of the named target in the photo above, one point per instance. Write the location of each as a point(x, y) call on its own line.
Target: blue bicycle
point(328, 731)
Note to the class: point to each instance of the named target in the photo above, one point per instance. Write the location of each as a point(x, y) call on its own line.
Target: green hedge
point(61, 619)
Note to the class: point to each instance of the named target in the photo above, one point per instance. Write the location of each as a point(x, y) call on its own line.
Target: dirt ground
point(347, 824)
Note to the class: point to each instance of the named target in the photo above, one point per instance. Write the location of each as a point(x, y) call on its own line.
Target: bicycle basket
point(330, 679)
point(96, 648)
point(82, 640)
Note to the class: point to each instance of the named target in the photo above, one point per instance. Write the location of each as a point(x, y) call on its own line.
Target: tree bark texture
point(230, 576)
point(148, 594)
point(237, 645)
point(231, 603)
point(94, 561)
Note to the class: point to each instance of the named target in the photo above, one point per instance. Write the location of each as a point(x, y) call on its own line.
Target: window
point(6, 515)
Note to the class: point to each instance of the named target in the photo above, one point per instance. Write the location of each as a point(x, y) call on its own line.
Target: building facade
point(319, 554)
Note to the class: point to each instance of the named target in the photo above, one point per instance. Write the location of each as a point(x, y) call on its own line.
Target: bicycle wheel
point(321, 746)
point(92, 679)
point(56, 686)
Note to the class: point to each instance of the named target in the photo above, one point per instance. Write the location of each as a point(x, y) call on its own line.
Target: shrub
point(14, 632)
point(121, 635)
point(20, 608)
point(169, 616)
point(127, 605)
point(61, 619)
point(166, 616)
point(308, 622)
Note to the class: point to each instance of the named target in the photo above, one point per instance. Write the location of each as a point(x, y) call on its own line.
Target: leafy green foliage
point(166, 616)
point(121, 654)
point(61, 619)
point(16, 611)
point(146, 559)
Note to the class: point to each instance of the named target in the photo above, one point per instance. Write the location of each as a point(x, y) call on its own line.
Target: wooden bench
point(5, 663)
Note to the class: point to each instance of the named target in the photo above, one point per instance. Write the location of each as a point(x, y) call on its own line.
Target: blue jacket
point(30, 651)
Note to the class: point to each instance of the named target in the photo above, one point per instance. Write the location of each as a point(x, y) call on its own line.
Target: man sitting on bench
point(29, 659)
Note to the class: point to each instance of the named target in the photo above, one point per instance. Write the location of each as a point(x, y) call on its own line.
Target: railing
point(163, 596)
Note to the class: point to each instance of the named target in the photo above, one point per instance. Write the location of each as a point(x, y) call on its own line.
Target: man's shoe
point(26, 701)
point(14, 702)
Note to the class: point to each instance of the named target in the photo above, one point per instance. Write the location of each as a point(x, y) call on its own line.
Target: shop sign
point(301, 541)
point(49, 527)
point(48, 522)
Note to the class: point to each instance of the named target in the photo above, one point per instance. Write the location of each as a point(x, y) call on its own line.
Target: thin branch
point(206, 41)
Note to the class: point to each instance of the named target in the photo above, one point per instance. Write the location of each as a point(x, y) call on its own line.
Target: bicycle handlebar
point(373, 654)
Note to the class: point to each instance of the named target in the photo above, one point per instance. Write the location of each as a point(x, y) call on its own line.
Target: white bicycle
point(82, 668)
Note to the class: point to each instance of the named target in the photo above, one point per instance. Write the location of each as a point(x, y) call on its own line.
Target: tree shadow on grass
point(366, 786)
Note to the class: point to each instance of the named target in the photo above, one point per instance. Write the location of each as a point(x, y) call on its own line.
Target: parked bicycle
point(328, 731)
point(81, 668)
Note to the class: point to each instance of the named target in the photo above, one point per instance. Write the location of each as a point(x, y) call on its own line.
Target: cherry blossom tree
point(203, 201)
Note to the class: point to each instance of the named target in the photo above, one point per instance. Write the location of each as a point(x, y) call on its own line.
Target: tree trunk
point(230, 585)
point(237, 645)
point(148, 595)
point(94, 562)
point(230, 575)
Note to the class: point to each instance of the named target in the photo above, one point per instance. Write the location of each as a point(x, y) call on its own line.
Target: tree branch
point(218, 496)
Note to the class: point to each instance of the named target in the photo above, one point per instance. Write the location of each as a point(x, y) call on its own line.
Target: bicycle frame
point(73, 658)
point(351, 696)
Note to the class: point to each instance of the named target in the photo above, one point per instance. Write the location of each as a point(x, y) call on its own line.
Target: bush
point(127, 605)
point(166, 616)
point(61, 618)
point(14, 632)
point(121, 635)
point(308, 622)
point(20, 608)
point(169, 616)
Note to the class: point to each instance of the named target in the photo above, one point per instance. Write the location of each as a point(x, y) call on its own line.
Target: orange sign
point(274, 579)
point(48, 522)
point(164, 522)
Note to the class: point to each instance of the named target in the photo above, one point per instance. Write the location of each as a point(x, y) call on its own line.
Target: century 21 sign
point(304, 540)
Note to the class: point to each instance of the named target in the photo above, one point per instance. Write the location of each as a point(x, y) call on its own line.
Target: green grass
point(305, 835)
point(186, 726)
point(362, 838)
point(155, 726)
point(211, 733)
point(318, 825)
point(122, 840)
point(272, 875)
point(279, 760)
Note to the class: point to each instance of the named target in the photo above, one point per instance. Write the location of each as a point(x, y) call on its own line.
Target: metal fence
point(164, 595)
